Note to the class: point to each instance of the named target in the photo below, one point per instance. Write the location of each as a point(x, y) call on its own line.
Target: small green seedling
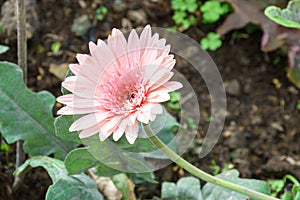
point(298, 105)
point(183, 12)
point(174, 101)
point(101, 12)
point(217, 169)
point(276, 186)
point(213, 166)
point(184, 5)
point(4, 147)
point(209, 119)
point(211, 42)
point(212, 11)
point(55, 47)
point(191, 123)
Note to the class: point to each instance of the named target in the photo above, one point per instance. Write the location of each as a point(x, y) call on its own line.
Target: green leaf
point(211, 11)
point(168, 190)
point(178, 5)
point(55, 47)
point(179, 17)
point(186, 188)
point(288, 17)
point(122, 182)
point(3, 49)
point(74, 187)
point(27, 116)
point(64, 186)
point(79, 160)
point(287, 196)
point(212, 41)
point(54, 167)
point(213, 192)
point(62, 125)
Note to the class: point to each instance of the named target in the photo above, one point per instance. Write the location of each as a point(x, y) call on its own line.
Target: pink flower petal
point(89, 131)
point(75, 68)
point(75, 111)
point(118, 44)
point(81, 58)
point(172, 86)
point(131, 133)
point(119, 131)
point(88, 121)
point(157, 97)
point(110, 124)
point(92, 46)
point(134, 48)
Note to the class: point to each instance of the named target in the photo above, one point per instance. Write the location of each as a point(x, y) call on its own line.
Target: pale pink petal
point(119, 131)
point(78, 102)
point(75, 68)
point(156, 109)
point(142, 117)
point(157, 97)
point(103, 55)
point(81, 58)
point(92, 46)
point(131, 133)
point(172, 86)
point(165, 78)
point(88, 121)
point(118, 44)
point(149, 56)
point(104, 136)
point(110, 124)
point(134, 48)
point(74, 111)
point(89, 131)
point(159, 74)
point(145, 37)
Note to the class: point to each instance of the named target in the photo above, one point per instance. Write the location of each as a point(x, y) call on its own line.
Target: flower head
point(120, 83)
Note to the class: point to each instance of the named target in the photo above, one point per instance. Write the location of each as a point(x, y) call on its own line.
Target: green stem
point(201, 174)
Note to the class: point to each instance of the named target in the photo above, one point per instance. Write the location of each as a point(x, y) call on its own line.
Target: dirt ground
point(261, 135)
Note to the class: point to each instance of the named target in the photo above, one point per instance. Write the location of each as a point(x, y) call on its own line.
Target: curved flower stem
point(201, 174)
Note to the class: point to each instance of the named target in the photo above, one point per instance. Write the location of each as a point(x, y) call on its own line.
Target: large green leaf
point(288, 17)
point(74, 187)
point(213, 192)
point(186, 188)
point(80, 159)
point(54, 167)
point(25, 115)
point(64, 187)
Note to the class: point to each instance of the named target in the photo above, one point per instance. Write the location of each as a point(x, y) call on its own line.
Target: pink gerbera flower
point(119, 84)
